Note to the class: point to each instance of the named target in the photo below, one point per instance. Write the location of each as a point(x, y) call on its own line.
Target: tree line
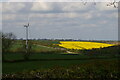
point(8, 40)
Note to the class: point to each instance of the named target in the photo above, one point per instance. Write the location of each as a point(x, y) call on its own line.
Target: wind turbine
point(26, 26)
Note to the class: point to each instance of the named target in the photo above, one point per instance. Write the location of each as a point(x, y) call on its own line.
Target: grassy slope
point(37, 46)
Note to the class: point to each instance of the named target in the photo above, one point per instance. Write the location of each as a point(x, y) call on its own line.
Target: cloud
point(87, 16)
point(59, 6)
point(74, 6)
point(9, 16)
point(113, 15)
point(62, 15)
point(41, 6)
point(102, 6)
point(59, 19)
point(12, 7)
point(20, 0)
point(88, 25)
point(103, 22)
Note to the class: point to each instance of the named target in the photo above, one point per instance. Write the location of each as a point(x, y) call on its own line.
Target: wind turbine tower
point(26, 26)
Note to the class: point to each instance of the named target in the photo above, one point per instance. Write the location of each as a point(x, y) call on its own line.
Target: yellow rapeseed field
point(83, 45)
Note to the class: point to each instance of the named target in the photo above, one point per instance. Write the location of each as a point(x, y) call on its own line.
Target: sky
point(61, 20)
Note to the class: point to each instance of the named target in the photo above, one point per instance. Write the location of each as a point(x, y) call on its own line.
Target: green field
point(47, 55)
point(45, 64)
point(42, 61)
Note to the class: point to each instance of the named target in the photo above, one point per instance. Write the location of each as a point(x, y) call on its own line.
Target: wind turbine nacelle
point(25, 26)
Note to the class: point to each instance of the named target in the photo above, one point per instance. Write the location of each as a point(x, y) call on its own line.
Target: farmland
point(48, 58)
point(83, 45)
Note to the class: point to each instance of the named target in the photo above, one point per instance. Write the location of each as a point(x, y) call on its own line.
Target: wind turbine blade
point(28, 20)
point(28, 23)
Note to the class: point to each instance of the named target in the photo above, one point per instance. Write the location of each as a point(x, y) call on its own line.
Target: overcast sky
point(61, 20)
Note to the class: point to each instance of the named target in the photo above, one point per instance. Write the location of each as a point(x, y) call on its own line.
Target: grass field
point(47, 61)
point(43, 61)
point(47, 55)
point(97, 68)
